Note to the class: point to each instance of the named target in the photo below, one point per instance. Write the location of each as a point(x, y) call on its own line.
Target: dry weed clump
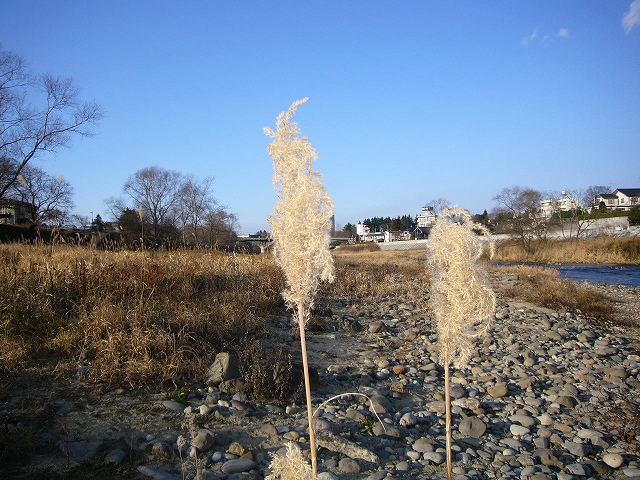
point(598, 250)
point(378, 274)
point(289, 465)
point(300, 226)
point(544, 287)
point(462, 299)
point(139, 318)
point(272, 372)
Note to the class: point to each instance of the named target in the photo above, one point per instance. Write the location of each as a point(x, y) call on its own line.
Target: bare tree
point(50, 198)
point(588, 195)
point(573, 210)
point(220, 227)
point(522, 207)
point(156, 191)
point(28, 131)
point(195, 202)
point(437, 205)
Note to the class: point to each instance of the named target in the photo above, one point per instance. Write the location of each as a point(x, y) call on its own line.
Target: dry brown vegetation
point(545, 287)
point(153, 320)
point(139, 318)
point(599, 250)
point(157, 319)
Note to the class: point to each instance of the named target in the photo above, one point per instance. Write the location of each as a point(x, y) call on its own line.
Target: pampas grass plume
point(300, 227)
point(289, 466)
point(461, 295)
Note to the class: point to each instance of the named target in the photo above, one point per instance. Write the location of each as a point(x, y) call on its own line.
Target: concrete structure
point(366, 235)
point(427, 219)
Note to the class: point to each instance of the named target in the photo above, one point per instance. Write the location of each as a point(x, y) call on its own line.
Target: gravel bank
point(549, 395)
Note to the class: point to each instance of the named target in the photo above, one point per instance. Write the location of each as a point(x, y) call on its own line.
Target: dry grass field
point(156, 319)
point(598, 250)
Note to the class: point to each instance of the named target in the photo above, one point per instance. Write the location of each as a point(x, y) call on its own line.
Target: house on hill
point(621, 199)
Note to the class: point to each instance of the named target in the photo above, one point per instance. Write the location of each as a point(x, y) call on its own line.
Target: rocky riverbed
point(548, 395)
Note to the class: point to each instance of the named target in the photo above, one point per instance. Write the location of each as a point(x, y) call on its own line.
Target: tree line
point(39, 115)
point(518, 211)
point(166, 206)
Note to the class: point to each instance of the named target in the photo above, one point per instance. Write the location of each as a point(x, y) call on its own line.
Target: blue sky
point(408, 100)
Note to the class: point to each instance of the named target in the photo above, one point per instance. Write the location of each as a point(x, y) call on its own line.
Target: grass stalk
point(447, 418)
point(307, 390)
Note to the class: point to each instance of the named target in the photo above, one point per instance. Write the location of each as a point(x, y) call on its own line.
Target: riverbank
point(609, 250)
point(548, 395)
point(598, 250)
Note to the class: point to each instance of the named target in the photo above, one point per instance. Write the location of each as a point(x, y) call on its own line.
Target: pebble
point(238, 465)
point(115, 456)
point(434, 457)
point(614, 460)
point(156, 473)
point(472, 427)
point(349, 465)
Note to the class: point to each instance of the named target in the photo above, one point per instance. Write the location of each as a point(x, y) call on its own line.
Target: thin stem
point(307, 388)
point(447, 403)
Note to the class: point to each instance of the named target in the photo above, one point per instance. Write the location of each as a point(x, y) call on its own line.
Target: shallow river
point(628, 275)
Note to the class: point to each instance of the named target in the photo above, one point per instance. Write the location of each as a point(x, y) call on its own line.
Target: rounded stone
point(423, 445)
point(472, 427)
point(457, 391)
point(498, 390)
point(327, 476)
point(349, 465)
point(434, 457)
point(518, 430)
point(614, 460)
point(578, 469)
point(238, 465)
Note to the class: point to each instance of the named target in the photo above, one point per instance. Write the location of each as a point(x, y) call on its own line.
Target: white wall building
point(563, 204)
point(621, 199)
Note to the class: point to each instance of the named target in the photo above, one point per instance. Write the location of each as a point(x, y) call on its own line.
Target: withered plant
point(461, 297)
point(300, 226)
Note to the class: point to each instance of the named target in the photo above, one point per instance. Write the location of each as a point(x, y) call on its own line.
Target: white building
point(564, 204)
point(366, 235)
point(621, 199)
point(427, 219)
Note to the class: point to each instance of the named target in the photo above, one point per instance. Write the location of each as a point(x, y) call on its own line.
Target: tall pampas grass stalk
point(461, 296)
point(300, 226)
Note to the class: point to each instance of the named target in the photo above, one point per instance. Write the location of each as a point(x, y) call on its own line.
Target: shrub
point(634, 216)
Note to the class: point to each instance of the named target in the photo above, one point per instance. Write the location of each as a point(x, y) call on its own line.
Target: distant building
point(13, 212)
point(564, 204)
point(621, 199)
point(427, 219)
point(366, 235)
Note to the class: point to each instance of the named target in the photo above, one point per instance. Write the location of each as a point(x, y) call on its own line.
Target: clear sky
point(408, 100)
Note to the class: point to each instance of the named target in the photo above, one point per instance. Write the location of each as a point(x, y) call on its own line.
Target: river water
point(628, 275)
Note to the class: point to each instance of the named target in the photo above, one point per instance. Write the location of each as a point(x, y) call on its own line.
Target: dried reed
point(461, 295)
point(300, 226)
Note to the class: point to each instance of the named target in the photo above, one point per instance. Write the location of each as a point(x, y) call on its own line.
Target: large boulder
point(226, 366)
